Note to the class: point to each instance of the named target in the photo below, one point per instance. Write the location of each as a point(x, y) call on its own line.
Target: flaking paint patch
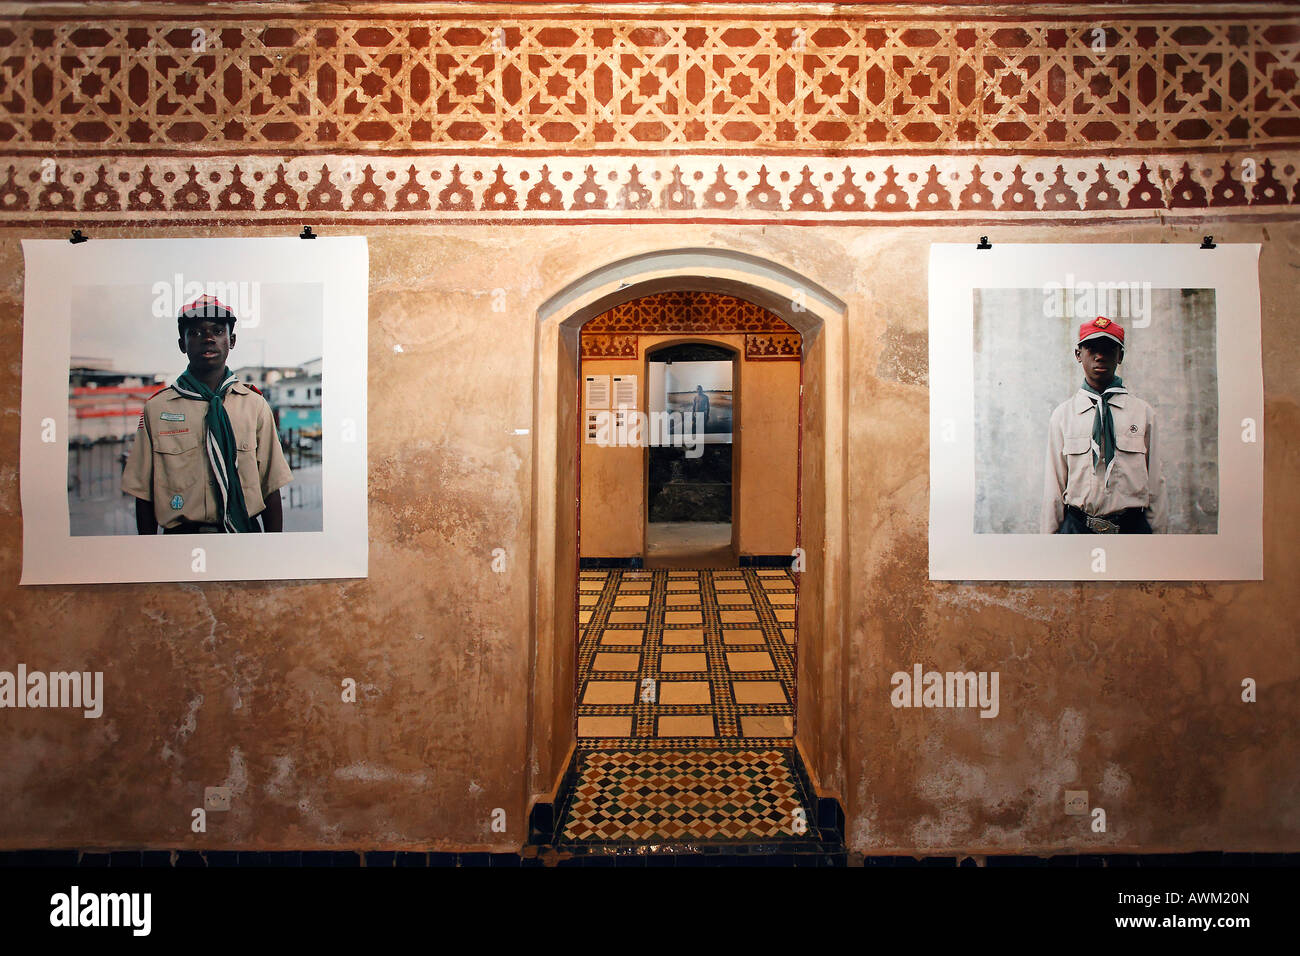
point(237, 775)
point(942, 832)
point(281, 776)
point(1072, 725)
point(188, 724)
point(209, 642)
point(374, 774)
point(965, 596)
point(904, 357)
point(314, 817)
point(1007, 801)
point(1114, 781)
point(862, 825)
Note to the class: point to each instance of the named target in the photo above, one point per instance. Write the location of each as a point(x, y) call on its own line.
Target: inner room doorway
point(691, 484)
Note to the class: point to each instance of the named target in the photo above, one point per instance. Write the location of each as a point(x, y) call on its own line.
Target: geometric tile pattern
point(686, 658)
point(917, 188)
point(687, 311)
point(681, 795)
point(767, 347)
point(601, 79)
point(603, 345)
point(512, 116)
point(613, 334)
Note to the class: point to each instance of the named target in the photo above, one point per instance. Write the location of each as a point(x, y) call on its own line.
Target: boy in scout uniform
point(1103, 475)
point(206, 456)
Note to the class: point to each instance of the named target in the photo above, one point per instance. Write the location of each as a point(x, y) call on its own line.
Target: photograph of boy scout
point(1134, 447)
point(206, 456)
point(1103, 472)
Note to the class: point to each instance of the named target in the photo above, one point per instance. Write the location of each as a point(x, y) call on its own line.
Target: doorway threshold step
point(690, 800)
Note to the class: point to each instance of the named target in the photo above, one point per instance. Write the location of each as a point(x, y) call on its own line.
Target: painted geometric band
point(686, 310)
point(378, 188)
point(614, 334)
point(294, 84)
point(764, 347)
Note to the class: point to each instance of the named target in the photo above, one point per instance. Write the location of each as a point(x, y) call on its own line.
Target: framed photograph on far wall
point(205, 400)
point(697, 394)
point(1096, 412)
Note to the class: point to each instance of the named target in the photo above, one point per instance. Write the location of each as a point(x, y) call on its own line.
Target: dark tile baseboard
point(774, 855)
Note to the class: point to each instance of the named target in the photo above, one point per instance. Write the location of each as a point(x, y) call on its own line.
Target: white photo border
point(957, 553)
point(54, 268)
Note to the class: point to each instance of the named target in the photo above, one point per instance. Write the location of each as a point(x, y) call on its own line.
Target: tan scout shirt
point(1136, 478)
point(168, 462)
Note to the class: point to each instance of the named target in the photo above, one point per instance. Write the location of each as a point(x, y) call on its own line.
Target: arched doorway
point(819, 318)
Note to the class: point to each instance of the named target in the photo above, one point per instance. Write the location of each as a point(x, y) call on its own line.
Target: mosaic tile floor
point(686, 795)
point(686, 658)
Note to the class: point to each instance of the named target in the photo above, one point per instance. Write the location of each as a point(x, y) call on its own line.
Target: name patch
point(172, 416)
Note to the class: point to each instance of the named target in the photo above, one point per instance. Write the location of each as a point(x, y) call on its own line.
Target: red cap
point(205, 306)
point(1101, 328)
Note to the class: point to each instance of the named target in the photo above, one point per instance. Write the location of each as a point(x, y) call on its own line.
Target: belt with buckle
point(1098, 524)
point(193, 527)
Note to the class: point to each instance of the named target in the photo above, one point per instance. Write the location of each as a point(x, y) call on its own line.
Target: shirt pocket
point(250, 479)
point(181, 464)
point(1077, 450)
point(1129, 475)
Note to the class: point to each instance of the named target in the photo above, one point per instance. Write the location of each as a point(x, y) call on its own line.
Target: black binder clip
point(984, 243)
point(306, 233)
point(1208, 242)
point(78, 237)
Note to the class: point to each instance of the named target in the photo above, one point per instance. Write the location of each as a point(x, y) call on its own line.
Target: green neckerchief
point(1103, 425)
point(223, 453)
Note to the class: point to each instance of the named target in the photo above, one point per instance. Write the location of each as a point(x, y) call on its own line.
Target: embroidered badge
point(1132, 428)
point(1101, 323)
point(178, 502)
point(172, 416)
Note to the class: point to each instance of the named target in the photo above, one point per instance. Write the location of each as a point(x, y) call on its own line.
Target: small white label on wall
point(625, 391)
point(597, 391)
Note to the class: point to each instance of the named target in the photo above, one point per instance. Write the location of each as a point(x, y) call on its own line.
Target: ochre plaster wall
point(941, 124)
point(1127, 690)
point(765, 469)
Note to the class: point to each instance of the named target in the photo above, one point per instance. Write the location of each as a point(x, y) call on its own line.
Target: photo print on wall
point(1096, 412)
point(191, 390)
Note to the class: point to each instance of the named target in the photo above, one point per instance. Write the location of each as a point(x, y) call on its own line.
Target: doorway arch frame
point(821, 319)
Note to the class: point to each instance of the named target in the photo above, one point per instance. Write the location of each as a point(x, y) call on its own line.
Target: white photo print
point(1096, 412)
point(204, 400)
